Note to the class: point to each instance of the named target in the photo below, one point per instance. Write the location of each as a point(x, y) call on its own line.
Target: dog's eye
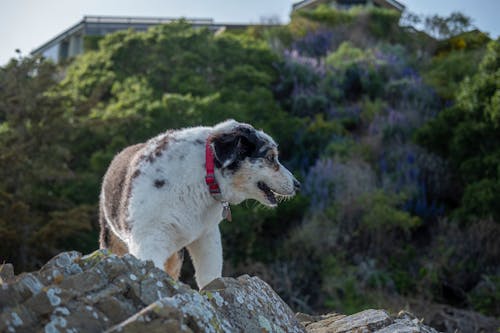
point(271, 157)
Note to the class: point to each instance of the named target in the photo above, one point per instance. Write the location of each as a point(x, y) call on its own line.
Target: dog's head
point(249, 165)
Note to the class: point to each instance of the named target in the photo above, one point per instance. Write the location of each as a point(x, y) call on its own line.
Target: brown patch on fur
point(108, 240)
point(116, 187)
point(161, 146)
point(116, 245)
point(173, 265)
point(159, 183)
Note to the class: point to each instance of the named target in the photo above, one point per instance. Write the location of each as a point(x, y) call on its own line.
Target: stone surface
point(102, 292)
point(6, 272)
point(366, 321)
point(448, 319)
point(251, 305)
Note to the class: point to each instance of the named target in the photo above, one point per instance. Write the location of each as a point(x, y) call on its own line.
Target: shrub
point(444, 73)
point(346, 55)
point(382, 215)
point(485, 297)
point(325, 14)
point(314, 44)
point(463, 257)
point(342, 287)
point(467, 134)
point(298, 87)
point(329, 181)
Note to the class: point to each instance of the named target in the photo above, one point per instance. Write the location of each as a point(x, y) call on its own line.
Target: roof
point(91, 21)
point(384, 3)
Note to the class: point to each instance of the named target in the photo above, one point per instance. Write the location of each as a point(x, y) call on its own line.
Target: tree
point(446, 27)
point(468, 134)
point(34, 155)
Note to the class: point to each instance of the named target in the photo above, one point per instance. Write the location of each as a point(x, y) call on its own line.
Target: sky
point(27, 24)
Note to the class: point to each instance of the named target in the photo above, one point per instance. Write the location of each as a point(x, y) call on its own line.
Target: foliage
point(467, 134)
point(382, 213)
point(446, 73)
point(446, 27)
point(466, 41)
point(344, 93)
point(379, 22)
point(465, 261)
point(314, 44)
point(35, 153)
point(325, 14)
point(485, 297)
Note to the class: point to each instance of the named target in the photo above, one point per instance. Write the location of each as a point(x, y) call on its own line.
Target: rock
point(448, 319)
point(103, 292)
point(246, 304)
point(365, 321)
point(6, 272)
point(251, 305)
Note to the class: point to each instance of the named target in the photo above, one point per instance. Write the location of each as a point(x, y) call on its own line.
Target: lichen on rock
point(103, 292)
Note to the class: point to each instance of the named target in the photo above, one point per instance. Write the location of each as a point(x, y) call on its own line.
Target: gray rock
point(103, 292)
point(250, 305)
point(85, 282)
point(19, 289)
point(366, 321)
point(6, 272)
point(160, 316)
point(63, 265)
point(116, 308)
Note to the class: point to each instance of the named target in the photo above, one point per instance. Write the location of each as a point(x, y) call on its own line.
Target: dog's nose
point(296, 185)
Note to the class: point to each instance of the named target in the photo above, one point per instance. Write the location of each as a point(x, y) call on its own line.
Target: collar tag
point(226, 211)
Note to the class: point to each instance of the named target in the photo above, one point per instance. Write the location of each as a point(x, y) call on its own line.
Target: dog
point(173, 191)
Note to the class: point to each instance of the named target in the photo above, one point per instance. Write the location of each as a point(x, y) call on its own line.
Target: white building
point(71, 42)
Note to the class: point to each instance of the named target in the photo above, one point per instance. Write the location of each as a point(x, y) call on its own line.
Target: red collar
point(210, 175)
point(213, 186)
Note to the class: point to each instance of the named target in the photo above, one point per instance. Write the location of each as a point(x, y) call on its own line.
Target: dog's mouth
point(270, 194)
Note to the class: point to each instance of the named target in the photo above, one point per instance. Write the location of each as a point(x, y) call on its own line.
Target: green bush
point(342, 287)
point(347, 54)
point(382, 214)
point(327, 15)
point(380, 23)
point(467, 134)
point(445, 73)
point(35, 158)
point(485, 297)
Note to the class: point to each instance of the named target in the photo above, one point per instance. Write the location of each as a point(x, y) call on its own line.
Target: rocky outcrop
point(366, 321)
point(103, 292)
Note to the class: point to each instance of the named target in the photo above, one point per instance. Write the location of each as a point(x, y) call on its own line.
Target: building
point(346, 4)
point(71, 42)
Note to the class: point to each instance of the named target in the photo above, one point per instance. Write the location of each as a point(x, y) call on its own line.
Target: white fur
point(182, 213)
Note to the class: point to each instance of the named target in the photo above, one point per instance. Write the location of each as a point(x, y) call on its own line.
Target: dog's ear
point(232, 147)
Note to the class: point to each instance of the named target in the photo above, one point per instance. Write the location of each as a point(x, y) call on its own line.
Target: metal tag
point(226, 211)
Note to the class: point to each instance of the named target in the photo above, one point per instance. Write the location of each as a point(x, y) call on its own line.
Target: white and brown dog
point(172, 191)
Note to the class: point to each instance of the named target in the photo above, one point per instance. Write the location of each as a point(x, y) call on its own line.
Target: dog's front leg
point(206, 254)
